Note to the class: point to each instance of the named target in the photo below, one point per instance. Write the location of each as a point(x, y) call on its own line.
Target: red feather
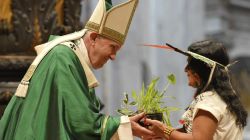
point(168, 47)
point(158, 46)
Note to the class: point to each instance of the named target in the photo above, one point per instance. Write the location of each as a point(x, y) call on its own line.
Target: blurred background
point(26, 23)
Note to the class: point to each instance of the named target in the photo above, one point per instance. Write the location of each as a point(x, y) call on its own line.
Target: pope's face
point(102, 50)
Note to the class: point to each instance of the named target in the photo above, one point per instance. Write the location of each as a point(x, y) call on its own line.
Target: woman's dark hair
point(221, 80)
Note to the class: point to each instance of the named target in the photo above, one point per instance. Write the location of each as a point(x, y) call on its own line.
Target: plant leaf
point(126, 95)
point(170, 109)
point(134, 95)
point(132, 103)
point(125, 101)
point(120, 111)
point(125, 112)
point(171, 79)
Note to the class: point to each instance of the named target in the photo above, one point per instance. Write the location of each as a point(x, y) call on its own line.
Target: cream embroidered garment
point(211, 102)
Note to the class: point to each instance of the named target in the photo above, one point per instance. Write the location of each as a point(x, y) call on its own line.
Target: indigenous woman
point(216, 112)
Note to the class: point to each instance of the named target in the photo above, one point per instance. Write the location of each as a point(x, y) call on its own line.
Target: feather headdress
point(211, 63)
point(208, 61)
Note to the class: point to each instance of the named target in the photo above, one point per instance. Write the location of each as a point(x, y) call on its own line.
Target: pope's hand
point(138, 130)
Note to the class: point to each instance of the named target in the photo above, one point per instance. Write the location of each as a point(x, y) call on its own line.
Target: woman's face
point(193, 78)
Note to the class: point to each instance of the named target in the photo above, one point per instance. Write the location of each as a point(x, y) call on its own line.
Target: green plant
point(149, 100)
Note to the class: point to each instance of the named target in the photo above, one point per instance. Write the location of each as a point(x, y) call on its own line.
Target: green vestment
point(59, 104)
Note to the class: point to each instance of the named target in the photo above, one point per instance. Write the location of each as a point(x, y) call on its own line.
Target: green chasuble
point(59, 104)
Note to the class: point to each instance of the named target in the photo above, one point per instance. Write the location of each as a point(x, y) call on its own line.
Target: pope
point(56, 98)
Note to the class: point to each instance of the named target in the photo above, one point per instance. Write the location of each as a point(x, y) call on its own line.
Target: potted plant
point(151, 101)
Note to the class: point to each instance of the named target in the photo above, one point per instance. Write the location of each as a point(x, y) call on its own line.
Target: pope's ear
point(93, 36)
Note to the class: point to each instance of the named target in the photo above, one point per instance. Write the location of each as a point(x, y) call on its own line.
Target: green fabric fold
point(108, 4)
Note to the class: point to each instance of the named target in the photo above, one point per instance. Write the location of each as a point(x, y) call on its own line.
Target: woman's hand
point(157, 127)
